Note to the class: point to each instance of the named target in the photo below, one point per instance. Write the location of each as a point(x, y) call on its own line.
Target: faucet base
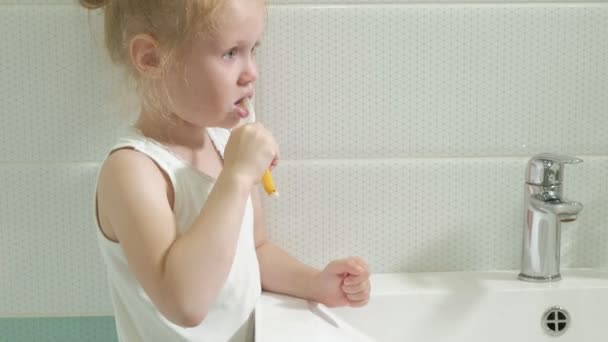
point(535, 279)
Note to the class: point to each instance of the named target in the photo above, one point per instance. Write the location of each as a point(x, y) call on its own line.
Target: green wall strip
point(60, 329)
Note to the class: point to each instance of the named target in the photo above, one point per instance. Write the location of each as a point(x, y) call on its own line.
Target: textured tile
point(412, 81)
point(400, 81)
point(60, 97)
point(426, 214)
point(49, 256)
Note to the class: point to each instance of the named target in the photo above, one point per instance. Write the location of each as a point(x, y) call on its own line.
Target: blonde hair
point(174, 24)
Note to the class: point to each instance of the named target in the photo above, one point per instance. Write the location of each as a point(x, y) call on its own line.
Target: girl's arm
point(280, 272)
point(182, 274)
point(341, 282)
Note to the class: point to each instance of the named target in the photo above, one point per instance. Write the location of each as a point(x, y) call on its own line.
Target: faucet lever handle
point(547, 169)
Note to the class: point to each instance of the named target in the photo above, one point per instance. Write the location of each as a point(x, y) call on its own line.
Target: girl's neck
point(171, 130)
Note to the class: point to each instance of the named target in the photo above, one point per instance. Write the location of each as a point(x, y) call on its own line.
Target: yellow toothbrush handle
point(268, 183)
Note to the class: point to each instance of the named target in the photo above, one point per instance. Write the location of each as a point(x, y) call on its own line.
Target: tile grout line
point(325, 160)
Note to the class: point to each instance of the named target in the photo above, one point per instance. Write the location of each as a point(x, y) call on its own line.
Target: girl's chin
point(233, 121)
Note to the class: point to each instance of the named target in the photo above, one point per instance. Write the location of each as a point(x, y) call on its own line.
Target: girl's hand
point(250, 151)
point(343, 282)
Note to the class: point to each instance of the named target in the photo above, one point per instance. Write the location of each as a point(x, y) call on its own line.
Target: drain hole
point(555, 321)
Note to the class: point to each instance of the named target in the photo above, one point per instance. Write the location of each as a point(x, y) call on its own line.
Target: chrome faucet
point(544, 210)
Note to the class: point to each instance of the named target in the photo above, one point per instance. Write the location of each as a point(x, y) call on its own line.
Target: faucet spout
point(565, 210)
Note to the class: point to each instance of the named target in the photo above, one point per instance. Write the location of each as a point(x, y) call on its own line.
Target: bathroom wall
point(404, 129)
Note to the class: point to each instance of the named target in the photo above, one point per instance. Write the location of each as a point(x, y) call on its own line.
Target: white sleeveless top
point(231, 316)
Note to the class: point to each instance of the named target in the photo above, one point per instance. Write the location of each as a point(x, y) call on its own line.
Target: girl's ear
point(145, 55)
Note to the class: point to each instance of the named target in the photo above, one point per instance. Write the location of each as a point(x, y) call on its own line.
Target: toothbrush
point(267, 181)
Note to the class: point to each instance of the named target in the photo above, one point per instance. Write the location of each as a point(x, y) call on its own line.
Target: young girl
point(182, 230)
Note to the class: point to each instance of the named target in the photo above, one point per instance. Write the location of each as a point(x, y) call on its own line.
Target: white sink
point(447, 307)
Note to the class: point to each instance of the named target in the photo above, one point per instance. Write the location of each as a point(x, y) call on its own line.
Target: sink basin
point(449, 307)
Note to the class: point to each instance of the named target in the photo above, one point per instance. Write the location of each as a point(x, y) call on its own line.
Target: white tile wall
point(49, 259)
point(58, 89)
point(404, 131)
point(430, 214)
point(404, 81)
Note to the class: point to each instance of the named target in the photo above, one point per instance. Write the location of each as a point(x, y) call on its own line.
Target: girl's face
point(220, 70)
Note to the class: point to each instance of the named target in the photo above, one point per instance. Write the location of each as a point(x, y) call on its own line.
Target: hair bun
point(93, 4)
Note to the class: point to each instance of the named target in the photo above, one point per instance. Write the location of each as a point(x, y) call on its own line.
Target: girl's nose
point(250, 73)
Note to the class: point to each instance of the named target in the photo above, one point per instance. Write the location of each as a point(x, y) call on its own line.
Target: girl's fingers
point(353, 280)
point(351, 289)
point(358, 303)
point(362, 262)
point(357, 297)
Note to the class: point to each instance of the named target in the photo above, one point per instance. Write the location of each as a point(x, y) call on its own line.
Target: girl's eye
point(255, 48)
point(230, 54)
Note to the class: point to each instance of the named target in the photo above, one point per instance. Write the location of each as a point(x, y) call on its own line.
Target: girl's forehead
point(240, 20)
